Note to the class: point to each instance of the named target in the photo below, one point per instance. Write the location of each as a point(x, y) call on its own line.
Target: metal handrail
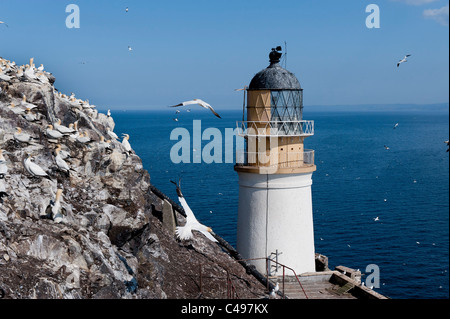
point(275, 128)
point(284, 267)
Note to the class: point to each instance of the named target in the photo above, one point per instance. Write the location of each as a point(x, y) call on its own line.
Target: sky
point(208, 48)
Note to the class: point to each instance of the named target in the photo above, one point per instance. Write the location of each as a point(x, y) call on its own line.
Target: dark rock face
point(114, 241)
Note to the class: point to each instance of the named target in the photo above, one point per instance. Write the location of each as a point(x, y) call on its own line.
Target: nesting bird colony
point(47, 131)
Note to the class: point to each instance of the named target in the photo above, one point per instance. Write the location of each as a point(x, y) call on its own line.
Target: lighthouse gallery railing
point(281, 160)
point(275, 128)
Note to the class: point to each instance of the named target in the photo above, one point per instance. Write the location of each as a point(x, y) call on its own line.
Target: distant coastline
point(434, 108)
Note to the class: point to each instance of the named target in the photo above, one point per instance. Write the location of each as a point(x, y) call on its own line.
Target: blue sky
point(207, 48)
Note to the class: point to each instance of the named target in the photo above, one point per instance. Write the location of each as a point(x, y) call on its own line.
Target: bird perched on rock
point(111, 133)
point(34, 169)
point(185, 232)
point(21, 137)
point(54, 210)
point(3, 166)
point(53, 133)
point(63, 129)
point(126, 144)
point(60, 162)
point(2, 190)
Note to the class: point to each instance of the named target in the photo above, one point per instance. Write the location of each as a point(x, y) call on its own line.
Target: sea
point(366, 169)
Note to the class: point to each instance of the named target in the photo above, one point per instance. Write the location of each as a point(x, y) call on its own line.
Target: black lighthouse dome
point(274, 77)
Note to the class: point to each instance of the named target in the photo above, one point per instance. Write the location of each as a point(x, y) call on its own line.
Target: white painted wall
point(275, 212)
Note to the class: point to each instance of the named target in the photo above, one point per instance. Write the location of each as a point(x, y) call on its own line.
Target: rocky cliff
point(110, 234)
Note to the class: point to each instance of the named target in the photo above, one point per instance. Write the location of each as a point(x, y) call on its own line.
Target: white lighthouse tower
point(275, 173)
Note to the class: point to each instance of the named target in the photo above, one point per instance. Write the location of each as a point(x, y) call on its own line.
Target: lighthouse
point(275, 218)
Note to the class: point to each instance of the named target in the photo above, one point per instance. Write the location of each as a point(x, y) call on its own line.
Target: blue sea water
point(357, 179)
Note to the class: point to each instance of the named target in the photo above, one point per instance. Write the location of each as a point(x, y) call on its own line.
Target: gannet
point(405, 59)
point(21, 137)
point(54, 211)
point(386, 147)
point(16, 110)
point(376, 219)
point(3, 166)
point(199, 102)
point(126, 144)
point(60, 162)
point(27, 105)
point(83, 138)
point(185, 232)
point(35, 169)
point(63, 154)
point(1, 22)
point(130, 48)
point(4, 77)
point(111, 133)
point(63, 129)
point(3, 192)
point(41, 68)
point(53, 133)
point(29, 116)
point(395, 126)
point(108, 114)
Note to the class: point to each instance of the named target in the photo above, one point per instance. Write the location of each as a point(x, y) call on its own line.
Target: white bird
point(111, 133)
point(1, 22)
point(108, 114)
point(3, 192)
point(376, 219)
point(185, 232)
point(386, 147)
point(57, 210)
point(29, 116)
point(27, 105)
point(395, 126)
point(15, 109)
point(405, 59)
point(53, 133)
point(126, 144)
point(83, 138)
point(21, 137)
point(199, 102)
point(60, 162)
point(3, 166)
point(126, 10)
point(35, 169)
point(4, 77)
point(130, 48)
point(41, 68)
point(63, 129)
point(63, 154)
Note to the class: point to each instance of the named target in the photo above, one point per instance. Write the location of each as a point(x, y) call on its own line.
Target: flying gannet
point(185, 232)
point(405, 59)
point(199, 102)
point(395, 126)
point(35, 169)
